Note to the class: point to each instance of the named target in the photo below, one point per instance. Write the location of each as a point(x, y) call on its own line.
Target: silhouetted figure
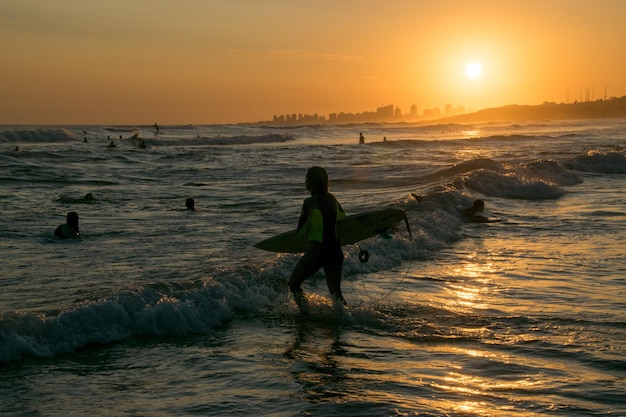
point(156, 126)
point(112, 145)
point(69, 230)
point(361, 139)
point(472, 213)
point(317, 222)
point(190, 204)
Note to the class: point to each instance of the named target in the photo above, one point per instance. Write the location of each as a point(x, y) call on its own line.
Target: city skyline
point(382, 114)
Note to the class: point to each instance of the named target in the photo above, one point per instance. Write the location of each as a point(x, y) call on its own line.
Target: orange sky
point(228, 61)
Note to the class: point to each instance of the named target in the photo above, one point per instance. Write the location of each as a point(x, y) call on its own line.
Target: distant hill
point(612, 108)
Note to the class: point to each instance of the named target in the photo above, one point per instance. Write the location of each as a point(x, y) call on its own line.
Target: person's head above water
point(72, 220)
point(190, 204)
point(317, 180)
point(479, 205)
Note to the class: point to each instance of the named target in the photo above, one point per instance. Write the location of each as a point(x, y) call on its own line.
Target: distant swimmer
point(69, 230)
point(190, 204)
point(112, 145)
point(474, 213)
point(156, 126)
point(361, 139)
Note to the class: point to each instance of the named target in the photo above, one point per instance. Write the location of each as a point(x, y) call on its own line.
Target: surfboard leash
point(365, 255)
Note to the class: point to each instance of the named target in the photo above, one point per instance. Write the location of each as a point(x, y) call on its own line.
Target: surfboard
point(351, 229)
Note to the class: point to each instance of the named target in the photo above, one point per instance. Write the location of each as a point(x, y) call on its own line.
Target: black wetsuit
point(318, 221)
point(66, 231)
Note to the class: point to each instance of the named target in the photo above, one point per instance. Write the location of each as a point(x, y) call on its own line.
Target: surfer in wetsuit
point(318, 219)
point(474, 213)
point(69, 230)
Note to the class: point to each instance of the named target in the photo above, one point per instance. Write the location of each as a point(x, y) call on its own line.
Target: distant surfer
point(318, 219)
point(156, 127)
point(190, 204)
point(69, 230)
point(474, 213)
point(361, 139)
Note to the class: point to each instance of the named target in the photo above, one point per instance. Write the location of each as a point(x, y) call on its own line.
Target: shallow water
point(162, 311)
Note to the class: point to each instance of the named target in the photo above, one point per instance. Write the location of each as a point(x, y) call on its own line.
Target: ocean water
point(161, 311)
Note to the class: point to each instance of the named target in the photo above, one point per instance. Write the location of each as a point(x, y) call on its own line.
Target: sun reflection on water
point(471, 281)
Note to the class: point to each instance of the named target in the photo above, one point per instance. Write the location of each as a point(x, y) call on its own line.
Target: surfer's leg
point(333, 280)
point(299, 274)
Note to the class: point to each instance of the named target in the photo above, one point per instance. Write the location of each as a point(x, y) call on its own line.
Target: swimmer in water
point(69, 230)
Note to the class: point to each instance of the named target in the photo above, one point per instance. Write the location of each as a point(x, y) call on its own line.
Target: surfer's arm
point(314, 229)
point(316, 226)
point(312, 226)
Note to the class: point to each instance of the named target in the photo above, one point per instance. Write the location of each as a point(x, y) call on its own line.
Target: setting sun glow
point(473, 69)
point(119, 61)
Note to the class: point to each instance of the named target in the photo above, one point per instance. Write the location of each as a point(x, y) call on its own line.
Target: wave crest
point(611, 162)
point(37, 136)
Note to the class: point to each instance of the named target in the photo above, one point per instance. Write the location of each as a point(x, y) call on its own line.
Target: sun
point(473, 69)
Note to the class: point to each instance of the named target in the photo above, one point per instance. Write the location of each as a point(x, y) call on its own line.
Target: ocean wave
point(549, 171)
point(200, 306)
point(37, 136)
point(509, 185)
point(158, 309)
point(533, 180)
point(223, 140)
point(603, 162)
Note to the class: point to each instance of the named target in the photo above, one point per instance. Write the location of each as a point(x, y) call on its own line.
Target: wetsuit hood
point(317, 180)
